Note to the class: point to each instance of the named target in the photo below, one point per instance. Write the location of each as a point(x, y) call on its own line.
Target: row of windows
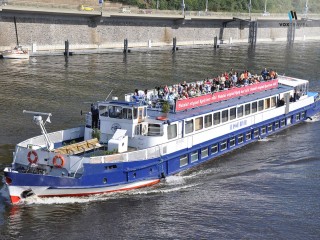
point(223, 116)
point(122, 112)
point(231, 142)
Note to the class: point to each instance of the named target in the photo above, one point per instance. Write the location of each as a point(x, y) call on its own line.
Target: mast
point(15, 26)
point(37, 119)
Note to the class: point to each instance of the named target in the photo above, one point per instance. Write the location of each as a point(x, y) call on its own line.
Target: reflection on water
point(274, 181)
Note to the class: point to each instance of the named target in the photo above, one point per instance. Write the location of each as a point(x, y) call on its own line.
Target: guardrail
point(117, 8)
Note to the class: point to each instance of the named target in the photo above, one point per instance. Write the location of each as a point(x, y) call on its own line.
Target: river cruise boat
point(133, 143)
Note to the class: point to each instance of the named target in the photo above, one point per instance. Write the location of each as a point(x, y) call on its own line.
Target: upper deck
point(222, 104)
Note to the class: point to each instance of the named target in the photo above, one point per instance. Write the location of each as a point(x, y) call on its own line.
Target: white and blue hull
point(155, 157)
point(131, 175)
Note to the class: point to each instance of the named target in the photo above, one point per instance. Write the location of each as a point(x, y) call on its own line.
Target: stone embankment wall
point(50, 31)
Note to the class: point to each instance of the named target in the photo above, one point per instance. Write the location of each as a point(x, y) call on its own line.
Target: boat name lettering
point(238, 124)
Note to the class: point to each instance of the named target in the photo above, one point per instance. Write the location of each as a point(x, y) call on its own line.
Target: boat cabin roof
point(292, 81)
point(178, 116)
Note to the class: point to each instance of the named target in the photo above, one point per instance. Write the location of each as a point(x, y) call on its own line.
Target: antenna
point(109, 95)
point(37, 119)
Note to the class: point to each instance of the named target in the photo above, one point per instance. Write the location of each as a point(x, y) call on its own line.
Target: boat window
point(154, 130)
point(198, 123)
point(288, 120)
point(172, 131)
point(208, 120)
point(303, 115)
point(223, 145)
point(232, 141)
point(263, 130)
point(115, 111)
point(135, 113)
point(273, 101)
point(270, 127)
point(240, 111)
point(232, 113)
point(224, 116)
point(254, 107)
point(214, 148)
point(256, 133)
point(298, 117)
point(189, 126)
point(204, 152)
point(248, 136)
point(260, 106)
point(240, 139)
point(216, 118)
point(127, 113)
point(282, 122)
point(247, 109)
point(276, 125)
point(194, 156)
point(183, 160)
point(141, 113)
point(103, 111)
point(267, 103)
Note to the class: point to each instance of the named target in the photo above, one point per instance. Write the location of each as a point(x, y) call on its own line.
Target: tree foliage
point(273, 6)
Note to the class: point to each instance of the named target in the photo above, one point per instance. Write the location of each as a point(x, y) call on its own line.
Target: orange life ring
point(57, 164)
point(33, 159)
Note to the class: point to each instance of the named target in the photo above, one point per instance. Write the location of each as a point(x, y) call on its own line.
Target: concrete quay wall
point(49, 31)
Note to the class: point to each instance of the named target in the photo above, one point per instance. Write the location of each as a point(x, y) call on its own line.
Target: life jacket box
point(119, 141)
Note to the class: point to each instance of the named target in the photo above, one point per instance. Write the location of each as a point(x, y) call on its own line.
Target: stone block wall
point(50, 32)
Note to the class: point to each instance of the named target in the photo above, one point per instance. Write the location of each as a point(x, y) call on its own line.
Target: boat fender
point(33, 159)
point(58, 161)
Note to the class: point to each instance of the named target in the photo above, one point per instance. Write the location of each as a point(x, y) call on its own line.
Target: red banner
point(183, 104)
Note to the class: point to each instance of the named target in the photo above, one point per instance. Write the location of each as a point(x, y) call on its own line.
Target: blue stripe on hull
point(111, 174)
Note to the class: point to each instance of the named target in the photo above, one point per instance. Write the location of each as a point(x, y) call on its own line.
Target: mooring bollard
point(215, 44)
point(174, 42)
point(66, 48)
point(125, 46)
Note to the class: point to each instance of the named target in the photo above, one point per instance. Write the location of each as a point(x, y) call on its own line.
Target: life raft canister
point(58, 161)
point(32, 157)
point(162, 118)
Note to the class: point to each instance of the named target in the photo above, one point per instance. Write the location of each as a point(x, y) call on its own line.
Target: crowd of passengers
point(226, 80)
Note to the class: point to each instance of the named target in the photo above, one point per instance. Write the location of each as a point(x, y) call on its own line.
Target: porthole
point(105, 180)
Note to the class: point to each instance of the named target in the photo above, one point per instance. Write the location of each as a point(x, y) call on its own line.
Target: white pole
point(306, 9)
point(265, 6)
point(206, 5)
point(182, 7)
point(250, 9)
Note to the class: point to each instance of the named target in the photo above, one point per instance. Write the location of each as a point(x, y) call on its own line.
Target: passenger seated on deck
point(234, 78)
point(138, 94)
point(265, 74)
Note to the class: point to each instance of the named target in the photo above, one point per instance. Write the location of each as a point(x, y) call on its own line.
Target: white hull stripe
point(15, 191)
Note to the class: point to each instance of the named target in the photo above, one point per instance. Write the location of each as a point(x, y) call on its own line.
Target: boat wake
point(170, 184)
point(315, 118)
point(264, 140)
